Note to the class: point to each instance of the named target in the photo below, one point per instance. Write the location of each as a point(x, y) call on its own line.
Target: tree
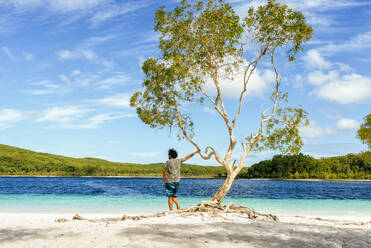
point(364, 132)
point(207, 40)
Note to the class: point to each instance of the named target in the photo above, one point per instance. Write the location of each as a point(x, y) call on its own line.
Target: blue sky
point(68, 68)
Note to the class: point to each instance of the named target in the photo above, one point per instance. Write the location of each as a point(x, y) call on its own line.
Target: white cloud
point(147, 37)
point(63, 114)
point(314, 5)
point(56, 5)
point(10, 116)
point(88, 54)
point(45, 83)
point(78, 117)
point(28, 56)
point(99, 81)
point(232, 87)
point(45, 87)
point(115, 80)
point(72, 5)
point(313, 9)
point(75, 72)
point(115, 10)
point(319, 78)
point(314, 60)
point(209, 110)
point(66, 12)
point(83, 54)
point(351, 88)
point(65, 79)
point(96, 40)
point(118, 100)
point(315, 131)
point(24, 55)
point(93, 122)
point(75, 54)
point(319, 150)
point(298, 82)
point(77, 80)
point(8, 52)
point(323, 5)
point(358, 43)
point(347, 124)
point(66, 54)
point(344, 67)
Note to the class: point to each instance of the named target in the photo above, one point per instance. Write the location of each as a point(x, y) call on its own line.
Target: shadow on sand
point(256, 234)
point(10, 235)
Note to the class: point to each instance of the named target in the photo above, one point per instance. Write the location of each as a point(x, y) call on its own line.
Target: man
point(172, 173)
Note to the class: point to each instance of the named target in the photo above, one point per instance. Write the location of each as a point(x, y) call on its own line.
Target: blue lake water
point(145, 195)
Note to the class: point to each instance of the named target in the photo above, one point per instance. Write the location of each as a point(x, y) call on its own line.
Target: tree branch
point(245, 81)
point(266, 118)
point(255, 139)
point(204, 156)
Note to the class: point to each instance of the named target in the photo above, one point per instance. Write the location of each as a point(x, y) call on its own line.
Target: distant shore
point(309, 179)
point(203, 177)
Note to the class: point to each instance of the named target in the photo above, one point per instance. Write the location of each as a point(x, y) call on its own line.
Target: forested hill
point(16, 161)
point(350, 166)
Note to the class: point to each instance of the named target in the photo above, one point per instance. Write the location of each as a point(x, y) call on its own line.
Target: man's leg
point(170, 201)
point(175, 199)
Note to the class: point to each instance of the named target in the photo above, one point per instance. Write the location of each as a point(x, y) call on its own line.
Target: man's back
point(173, 170)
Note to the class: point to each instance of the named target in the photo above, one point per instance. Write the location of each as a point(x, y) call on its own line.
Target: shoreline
point(172, 230)
point(201, 177)
point(100, 215)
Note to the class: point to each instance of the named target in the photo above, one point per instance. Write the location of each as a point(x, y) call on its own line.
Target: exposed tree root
point(78, 217)
point(216, 209)
point(211, 208)
point(344, 223)
point(208, 208)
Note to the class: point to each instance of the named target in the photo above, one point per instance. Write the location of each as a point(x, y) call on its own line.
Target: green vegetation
point(364, 132)
point(350, 166)
point(16, 161)
point(206, 40)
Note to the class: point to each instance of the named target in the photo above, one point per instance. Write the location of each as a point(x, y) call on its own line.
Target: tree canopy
point(207, 40)
point(364, 132)
point(300, 166)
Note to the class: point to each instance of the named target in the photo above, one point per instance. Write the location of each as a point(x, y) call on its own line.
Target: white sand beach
point(201, 230)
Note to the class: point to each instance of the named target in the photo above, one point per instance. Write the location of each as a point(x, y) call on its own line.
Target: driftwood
point(208, 208)
point(216, 209)
point(211, 208)
point(344, 223)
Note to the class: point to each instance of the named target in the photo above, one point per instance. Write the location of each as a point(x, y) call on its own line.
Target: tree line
point(16, 161)
point(350, 166)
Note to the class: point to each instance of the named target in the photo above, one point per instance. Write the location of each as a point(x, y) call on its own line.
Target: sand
point(229, 230)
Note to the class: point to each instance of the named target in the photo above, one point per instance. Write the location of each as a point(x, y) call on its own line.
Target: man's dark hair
point(173, 153)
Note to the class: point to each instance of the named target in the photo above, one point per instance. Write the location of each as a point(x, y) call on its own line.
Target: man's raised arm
point(190, 156)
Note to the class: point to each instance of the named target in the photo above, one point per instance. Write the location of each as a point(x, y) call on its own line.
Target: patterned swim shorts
point(171, 189)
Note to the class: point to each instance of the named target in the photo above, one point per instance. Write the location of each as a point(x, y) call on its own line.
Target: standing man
point(172, 172)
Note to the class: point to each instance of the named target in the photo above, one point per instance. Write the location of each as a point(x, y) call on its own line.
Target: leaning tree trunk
point(223, 190)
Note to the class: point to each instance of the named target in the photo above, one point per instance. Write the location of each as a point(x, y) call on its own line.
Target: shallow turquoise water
point(147, 195)
point(16, 203)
